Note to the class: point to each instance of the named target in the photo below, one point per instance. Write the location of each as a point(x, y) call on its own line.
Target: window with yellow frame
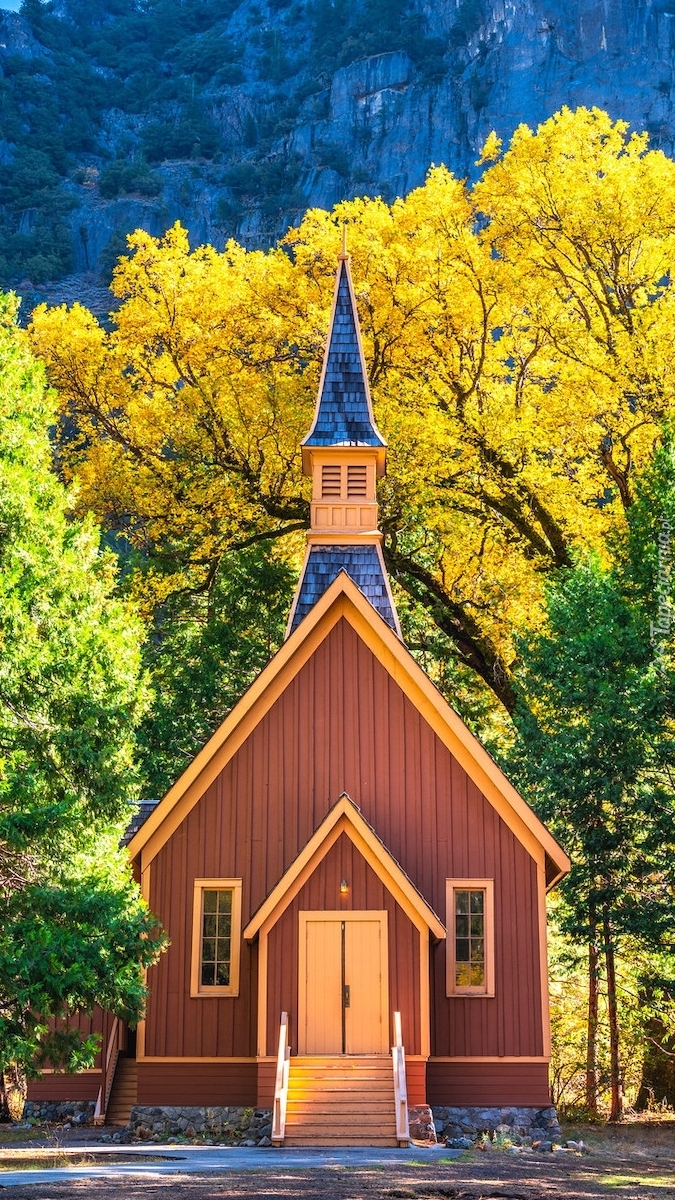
point(216, 937)
point(470, 944)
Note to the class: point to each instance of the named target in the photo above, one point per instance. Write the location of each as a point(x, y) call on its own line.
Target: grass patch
point(60, 1158)
point(10, 1137)
point(632, 1180)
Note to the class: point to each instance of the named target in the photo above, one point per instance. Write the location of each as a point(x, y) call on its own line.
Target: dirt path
point(484, 1177)
point(636, 1162)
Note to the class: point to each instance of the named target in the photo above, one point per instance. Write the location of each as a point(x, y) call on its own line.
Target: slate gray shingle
point(343, 410)
point(361, 563)
point(139, 818)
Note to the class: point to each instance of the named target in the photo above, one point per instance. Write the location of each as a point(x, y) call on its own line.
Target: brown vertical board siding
point(343, 724)
point(60, 1086)
point(197, 1084)
point(467, 1084)
point(98, 1022)
point(322, 892)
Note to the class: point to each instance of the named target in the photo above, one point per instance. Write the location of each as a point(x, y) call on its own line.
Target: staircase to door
point(340, 1101)
point(123, 1094)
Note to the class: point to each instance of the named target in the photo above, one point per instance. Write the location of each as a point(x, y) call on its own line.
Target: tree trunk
point(592, 1028)
point(616, 1111)
point(14, 1091)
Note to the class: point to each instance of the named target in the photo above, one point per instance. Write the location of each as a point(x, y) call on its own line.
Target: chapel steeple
point(344, 452)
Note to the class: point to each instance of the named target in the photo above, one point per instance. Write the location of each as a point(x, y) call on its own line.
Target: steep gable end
point(344, 600)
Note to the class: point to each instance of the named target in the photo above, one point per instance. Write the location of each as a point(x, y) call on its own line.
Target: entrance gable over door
point(346, 851)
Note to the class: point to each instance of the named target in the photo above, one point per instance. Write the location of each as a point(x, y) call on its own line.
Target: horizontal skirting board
point(410, 1058)
point(159, 1058)
point(487, 1058)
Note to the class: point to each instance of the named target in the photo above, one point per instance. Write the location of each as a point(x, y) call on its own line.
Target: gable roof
point(344, 413)
point(344, 600)
point(345, 817)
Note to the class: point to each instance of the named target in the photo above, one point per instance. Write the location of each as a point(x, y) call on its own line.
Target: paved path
point(191, 1160)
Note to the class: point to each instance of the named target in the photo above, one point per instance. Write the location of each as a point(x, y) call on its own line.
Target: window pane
point(477, 954)
point(462, 950)
point(224, 902)
point(209, 950)
point(477, 926)
point(462, 975)
point(461, 902)
point(477, 901)
point(223, 974)
point(478, 975)
point(209, 929)
point(461, 926)
point(210, 901)
point(208, 974)
point(224, 925)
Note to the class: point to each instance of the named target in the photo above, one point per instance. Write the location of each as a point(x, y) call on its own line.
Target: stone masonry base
point(471, 1122)
point(235, 1126)
point(74, 1112)
point(253, 1126)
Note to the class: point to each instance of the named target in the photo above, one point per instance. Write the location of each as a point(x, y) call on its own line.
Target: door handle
point(345, 996)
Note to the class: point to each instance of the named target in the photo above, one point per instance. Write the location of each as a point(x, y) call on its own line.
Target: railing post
point(281, 1084)
point(108, 1066)
point(400, 1085)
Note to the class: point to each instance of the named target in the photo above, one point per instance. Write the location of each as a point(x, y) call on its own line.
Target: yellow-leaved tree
point(518, 338)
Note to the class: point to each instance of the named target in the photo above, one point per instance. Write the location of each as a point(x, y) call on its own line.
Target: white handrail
point(400, 1085)
point(281, 1084)
point(108, 1073)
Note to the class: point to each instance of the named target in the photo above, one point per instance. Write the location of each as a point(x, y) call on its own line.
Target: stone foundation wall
point(234, 1126)
point(466, 1124)
point(75, 1112)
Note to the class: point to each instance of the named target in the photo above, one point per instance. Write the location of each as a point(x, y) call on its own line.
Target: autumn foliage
point(518, 336)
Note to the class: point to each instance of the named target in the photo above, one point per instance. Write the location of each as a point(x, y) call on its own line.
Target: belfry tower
point(345, 453)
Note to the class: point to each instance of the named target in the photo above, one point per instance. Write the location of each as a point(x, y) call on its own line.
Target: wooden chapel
point(342, 862)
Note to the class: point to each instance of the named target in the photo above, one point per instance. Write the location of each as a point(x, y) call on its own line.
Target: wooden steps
point(124, 1092)
point(342, 1101)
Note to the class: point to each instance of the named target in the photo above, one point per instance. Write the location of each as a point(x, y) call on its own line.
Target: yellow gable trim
point(344, 817)
point(343, 599)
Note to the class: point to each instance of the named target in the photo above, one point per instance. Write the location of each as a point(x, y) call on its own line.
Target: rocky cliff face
point(286, 134)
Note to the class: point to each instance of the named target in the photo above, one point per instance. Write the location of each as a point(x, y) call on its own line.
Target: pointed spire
point(344, 412)
point(344, 452)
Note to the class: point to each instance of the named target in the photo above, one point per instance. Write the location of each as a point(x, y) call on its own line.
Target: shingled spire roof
point(344, 413)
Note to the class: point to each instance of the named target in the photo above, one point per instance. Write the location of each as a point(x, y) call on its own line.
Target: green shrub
point(122, 178)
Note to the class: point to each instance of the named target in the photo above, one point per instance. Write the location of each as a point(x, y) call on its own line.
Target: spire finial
point(344, 253)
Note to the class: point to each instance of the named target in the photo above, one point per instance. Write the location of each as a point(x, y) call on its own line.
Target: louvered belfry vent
point(331, 479)
point(357, 482)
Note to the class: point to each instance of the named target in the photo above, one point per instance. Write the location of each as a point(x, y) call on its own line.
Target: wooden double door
point(343, 993)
